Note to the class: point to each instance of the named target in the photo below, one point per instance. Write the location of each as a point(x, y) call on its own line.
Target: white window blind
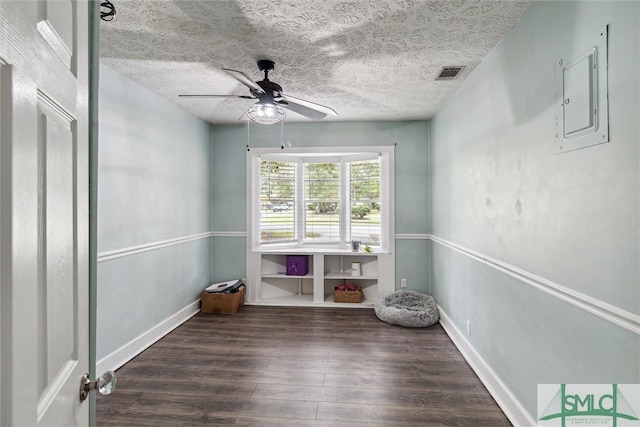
point(277, 201)
point(322, 202)
point(364, 197)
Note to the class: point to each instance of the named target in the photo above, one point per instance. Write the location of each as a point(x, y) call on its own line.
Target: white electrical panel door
point(582, 117)
point(580, 96)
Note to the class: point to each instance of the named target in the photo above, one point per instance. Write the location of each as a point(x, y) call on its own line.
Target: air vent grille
point(449, 73)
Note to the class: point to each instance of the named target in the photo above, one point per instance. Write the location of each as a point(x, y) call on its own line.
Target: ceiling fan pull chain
point(248, 134)
point(282, 135)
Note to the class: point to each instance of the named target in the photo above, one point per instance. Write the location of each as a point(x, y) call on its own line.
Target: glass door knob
point(105, 384)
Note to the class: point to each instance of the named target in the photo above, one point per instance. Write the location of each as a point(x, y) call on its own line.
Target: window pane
point(341, 199)
point(365, 201)
point(277, 201)
point(322, 201)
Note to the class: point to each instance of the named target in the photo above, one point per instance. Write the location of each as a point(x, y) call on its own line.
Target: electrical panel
point(581, 105)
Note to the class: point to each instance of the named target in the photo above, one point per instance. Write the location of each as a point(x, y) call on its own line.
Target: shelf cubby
point(269, 285)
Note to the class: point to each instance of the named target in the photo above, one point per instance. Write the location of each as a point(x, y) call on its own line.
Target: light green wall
point(228, 212)
point(499, 188)
point(154, 185)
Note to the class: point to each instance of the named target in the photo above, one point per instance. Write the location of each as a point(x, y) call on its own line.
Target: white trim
point(271, 152)
point(137, 345)
point(6, 243)
point(511, 407)
point(344, 215)
point(120, 253)
point(229, 234)
point(604, 310)
point(387, 198)
point(413, 236)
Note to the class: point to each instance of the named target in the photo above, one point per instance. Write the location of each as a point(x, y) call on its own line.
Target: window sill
point(316, 250)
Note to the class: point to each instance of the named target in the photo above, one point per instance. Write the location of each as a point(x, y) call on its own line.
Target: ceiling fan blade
point(297, 108)
point(244, 79)
point(218, 96)
point(306, 104)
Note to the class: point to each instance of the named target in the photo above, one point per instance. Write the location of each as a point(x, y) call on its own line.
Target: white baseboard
point(511, 407)
point(137, 345)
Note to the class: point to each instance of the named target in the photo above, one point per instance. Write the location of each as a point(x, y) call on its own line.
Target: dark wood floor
point(282, 366)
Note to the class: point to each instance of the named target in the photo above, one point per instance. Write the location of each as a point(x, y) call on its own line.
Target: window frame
point(319, 155)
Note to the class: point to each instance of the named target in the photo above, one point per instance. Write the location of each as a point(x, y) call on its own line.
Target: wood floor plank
point(369, 395)
point(199, 407)
point(284, 422)
point(152, 370)
point(385, 367)
point(399, 415)
point(437, 381)
point(291, 366)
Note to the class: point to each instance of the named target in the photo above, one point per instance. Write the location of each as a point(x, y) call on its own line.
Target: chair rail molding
point(413, 236)
point(602, 309)
point(229, 233)
point(132, 250)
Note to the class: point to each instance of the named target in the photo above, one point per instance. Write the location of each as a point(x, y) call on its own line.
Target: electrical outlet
point(469, 327)
point(403, 283)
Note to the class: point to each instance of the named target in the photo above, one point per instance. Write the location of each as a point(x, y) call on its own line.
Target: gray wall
point(154, 185)
point(229, 185)
point(499, 188)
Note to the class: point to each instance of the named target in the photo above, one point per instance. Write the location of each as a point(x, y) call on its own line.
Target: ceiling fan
point(271, 100)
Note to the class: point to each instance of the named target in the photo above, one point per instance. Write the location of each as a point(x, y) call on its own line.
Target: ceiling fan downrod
point(266, 66)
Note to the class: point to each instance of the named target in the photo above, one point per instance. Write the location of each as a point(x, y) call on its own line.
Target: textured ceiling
point(366, 59)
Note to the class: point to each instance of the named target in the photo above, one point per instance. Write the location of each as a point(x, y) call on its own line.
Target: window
point(364, 192)
point(277, 201)
point(322, 202)
point(320, 197)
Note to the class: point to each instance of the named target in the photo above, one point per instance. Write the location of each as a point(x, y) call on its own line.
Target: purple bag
point(297, 265)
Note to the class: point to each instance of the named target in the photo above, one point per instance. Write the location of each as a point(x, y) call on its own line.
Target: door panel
point(55, 24)
point(56, 282)
point(44, 212)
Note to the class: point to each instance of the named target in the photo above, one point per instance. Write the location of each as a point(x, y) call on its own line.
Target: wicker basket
point(348, 296)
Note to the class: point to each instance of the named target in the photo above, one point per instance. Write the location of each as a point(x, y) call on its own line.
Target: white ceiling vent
point(449, 73)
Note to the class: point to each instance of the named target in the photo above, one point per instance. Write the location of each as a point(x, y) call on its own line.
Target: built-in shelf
point(328, 300)
point(284, 276)
point(307, 300)
point(268, 285)
point(348, 276)
point(287, 300)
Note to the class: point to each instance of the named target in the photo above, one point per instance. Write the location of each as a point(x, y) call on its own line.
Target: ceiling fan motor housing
point(272, 90)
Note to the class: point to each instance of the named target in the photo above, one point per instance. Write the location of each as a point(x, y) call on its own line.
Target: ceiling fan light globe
point(266, 114)
point(267, 110)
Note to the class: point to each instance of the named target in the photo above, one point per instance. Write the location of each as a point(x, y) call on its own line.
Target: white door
point(44, 211)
